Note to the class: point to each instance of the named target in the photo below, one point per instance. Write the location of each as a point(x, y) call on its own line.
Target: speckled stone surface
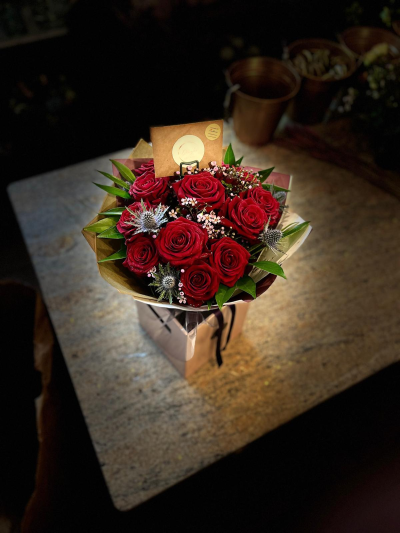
point(333, 323)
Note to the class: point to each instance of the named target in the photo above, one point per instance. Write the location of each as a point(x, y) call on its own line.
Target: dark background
point(125, 65)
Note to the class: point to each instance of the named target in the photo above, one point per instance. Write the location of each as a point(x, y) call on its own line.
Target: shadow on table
point(335, 468)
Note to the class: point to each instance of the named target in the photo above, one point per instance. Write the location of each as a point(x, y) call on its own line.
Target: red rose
point(204, 187)
point(229, 259)
point(148, 187)
point(141, 254)
point(146, 167)
point(265, 199)
point(246, 217)
point(181, 242)
point(200, 283)
point(126, 216)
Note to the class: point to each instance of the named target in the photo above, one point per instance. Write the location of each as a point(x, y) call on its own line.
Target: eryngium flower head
point(280, 196)
point(149, 219)
point(166, 282)
point(271, 238)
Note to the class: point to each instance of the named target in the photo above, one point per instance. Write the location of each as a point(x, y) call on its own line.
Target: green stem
point(257, 250)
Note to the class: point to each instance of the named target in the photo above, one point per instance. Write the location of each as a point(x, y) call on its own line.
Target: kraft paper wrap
point(126, 282)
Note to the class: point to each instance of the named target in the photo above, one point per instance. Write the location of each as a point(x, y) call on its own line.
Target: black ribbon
point(220, 317)
point(160, 319)
point(233, 311)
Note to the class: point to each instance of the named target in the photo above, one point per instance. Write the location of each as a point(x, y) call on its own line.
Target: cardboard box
point(188, 349)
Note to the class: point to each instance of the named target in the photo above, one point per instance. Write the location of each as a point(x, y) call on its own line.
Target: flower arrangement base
point(188, 349)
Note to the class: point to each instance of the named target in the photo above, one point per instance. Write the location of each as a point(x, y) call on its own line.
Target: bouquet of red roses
point(200, 238)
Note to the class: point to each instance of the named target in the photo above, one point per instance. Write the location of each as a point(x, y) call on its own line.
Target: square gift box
point(188, 347)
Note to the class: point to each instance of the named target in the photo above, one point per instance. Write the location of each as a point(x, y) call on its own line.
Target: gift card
point(186, 143)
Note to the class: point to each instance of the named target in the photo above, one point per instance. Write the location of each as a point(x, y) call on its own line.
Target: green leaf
point(294, 229)
point(209, 304)
point(114, 191)
point(115, 211)
point(111, 233)
point(247, 284)
point(269, 266)
point(119, 182)
point(263, 174)
point(238, 162)
point(121, 254)
point(268, 186)
point(100, 225)
point(291, 225)
point(229, 158)
point(125, 172)
point(223, 294)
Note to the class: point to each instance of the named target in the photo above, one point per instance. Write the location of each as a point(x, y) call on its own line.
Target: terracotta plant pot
point(265, 87)
point(360, 39)
point(316, 94)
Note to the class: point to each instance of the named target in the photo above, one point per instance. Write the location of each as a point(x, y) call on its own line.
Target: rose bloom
point(148, 187)
point(229, 259)
point(246, 217)
point(126, 216)
point(265, 199)
point(141, 254)
point(181, 242)
point(200, 283)
point(204, 187)
point(146, 167)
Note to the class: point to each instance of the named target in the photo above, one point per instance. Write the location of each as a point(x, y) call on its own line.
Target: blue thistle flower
point(271, 238)
point(149, 219)
point(166, 283)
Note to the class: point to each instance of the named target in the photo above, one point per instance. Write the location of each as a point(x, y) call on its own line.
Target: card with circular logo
point(187, 149)
point(213, 131)
point(173, 145)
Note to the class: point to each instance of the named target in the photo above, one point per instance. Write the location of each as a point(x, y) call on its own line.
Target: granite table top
point(334, 322)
